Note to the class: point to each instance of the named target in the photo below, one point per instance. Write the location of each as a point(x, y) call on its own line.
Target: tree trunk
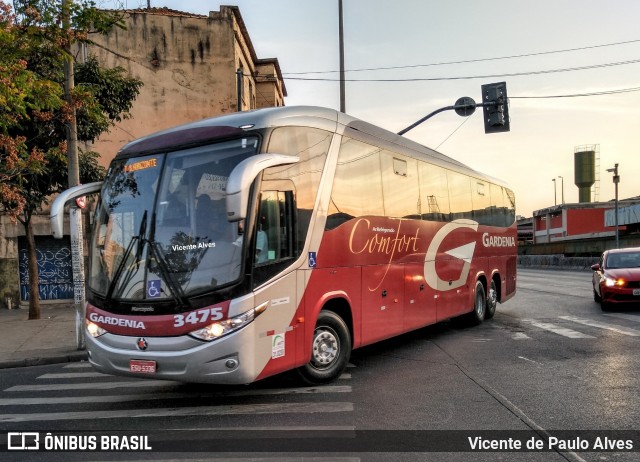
point(34, 280)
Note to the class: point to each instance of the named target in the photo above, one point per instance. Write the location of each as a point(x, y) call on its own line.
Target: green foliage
point(112, 90)
point(34, 117)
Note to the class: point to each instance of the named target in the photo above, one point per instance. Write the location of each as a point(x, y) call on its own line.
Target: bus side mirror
point(57, 208)
point(243, 175)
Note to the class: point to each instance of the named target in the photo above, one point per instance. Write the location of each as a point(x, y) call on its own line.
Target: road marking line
point(238, 409)
point(530, 360)
point(602, 325)
point(557, 329)
point(520, 336)
point(167, 396)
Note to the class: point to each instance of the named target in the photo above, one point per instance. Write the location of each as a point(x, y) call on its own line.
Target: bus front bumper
point(227, 360)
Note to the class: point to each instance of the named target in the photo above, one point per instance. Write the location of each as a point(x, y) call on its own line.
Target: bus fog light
point(95, 330)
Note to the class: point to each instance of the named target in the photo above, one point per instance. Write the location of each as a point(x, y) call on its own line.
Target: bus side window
point(275, 244)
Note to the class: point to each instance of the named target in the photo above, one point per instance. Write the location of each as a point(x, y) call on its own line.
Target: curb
point(41, 361)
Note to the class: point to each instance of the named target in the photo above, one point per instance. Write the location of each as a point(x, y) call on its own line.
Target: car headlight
point(94, 330)
point(612, 282)
point(221, 328)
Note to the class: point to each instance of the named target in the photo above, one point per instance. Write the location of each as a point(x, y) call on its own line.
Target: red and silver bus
point(239, 247)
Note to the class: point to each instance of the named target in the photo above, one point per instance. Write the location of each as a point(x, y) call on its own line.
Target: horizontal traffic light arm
point(461, 107)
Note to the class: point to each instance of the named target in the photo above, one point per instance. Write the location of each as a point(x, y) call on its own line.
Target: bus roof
point(235, 124)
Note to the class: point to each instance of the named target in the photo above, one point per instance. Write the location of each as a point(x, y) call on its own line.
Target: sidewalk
point(48, 340)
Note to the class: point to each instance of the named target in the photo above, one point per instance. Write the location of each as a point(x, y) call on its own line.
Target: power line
point(577, 95)
point(469, 77)
point(524, 55)
point(466, 119)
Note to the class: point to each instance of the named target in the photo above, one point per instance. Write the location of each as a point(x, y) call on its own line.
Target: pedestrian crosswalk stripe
point(79, 365)
point(95, 386)
point(233, 409)
point(557, 329)
point(628, 317)
point(171, 395)
point(73, 375)
point(601, 325)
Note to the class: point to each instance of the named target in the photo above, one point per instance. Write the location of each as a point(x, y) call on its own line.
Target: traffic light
point(495, 107)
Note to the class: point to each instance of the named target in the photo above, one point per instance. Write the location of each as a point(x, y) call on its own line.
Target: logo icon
point(153, 288)
point(23, 441)
point(142, 344)
point(463, 252)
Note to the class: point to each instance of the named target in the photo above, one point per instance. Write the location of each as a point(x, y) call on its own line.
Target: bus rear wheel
point(330, 350)
point(492, 301)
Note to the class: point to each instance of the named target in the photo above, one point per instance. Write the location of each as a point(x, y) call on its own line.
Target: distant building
point(570, 222)
point(580, 229)
point(189, 65)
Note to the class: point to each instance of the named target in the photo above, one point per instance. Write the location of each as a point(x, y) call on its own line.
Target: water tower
point(585, 171)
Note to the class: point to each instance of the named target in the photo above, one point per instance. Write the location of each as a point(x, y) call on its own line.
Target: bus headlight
point(222, 328)
point(95, 330)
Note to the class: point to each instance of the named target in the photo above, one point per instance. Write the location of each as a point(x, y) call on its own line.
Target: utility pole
point(562, 187)
point(616, 180)
point(75, 214)
point(343, 107)
point(555, 192)
point(239, 83)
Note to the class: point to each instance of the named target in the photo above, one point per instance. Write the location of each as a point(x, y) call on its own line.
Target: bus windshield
point(161, 228)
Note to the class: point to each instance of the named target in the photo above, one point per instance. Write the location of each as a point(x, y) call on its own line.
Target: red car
point(616, 278)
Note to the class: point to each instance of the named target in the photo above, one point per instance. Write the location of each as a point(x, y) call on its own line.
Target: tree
point(33, 124)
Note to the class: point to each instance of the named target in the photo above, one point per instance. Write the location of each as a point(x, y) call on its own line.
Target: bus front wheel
point(330, 350)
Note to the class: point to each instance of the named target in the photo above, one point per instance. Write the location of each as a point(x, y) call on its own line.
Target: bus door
point(274, 252)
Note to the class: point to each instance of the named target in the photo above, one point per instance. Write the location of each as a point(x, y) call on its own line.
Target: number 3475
point(197, 317)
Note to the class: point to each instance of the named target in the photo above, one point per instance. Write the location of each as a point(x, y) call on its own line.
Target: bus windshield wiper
point(161, 261)
point(139, 238)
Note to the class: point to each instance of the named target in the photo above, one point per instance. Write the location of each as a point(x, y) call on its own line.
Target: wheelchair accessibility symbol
point(153, 288)
point(312, 260)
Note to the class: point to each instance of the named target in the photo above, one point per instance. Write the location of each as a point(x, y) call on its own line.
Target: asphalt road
point(549, 361)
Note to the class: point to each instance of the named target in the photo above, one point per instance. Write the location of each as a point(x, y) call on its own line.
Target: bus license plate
point(636, 291)
point(142, 366)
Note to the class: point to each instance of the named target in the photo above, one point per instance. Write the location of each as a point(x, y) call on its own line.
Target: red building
point(571, 221)
point(576, 221)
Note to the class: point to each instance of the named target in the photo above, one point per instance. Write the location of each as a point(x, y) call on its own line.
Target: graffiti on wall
point(55, 271)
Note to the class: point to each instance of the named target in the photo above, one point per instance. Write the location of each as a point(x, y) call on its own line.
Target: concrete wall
point(9, 273)
point(188, 64)
point(556, 262)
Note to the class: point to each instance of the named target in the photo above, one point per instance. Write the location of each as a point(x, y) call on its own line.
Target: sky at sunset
point(409, 57)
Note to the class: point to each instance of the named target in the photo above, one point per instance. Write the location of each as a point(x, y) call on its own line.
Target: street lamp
point(616, 180)
point(562, 187)
point(555, 194)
